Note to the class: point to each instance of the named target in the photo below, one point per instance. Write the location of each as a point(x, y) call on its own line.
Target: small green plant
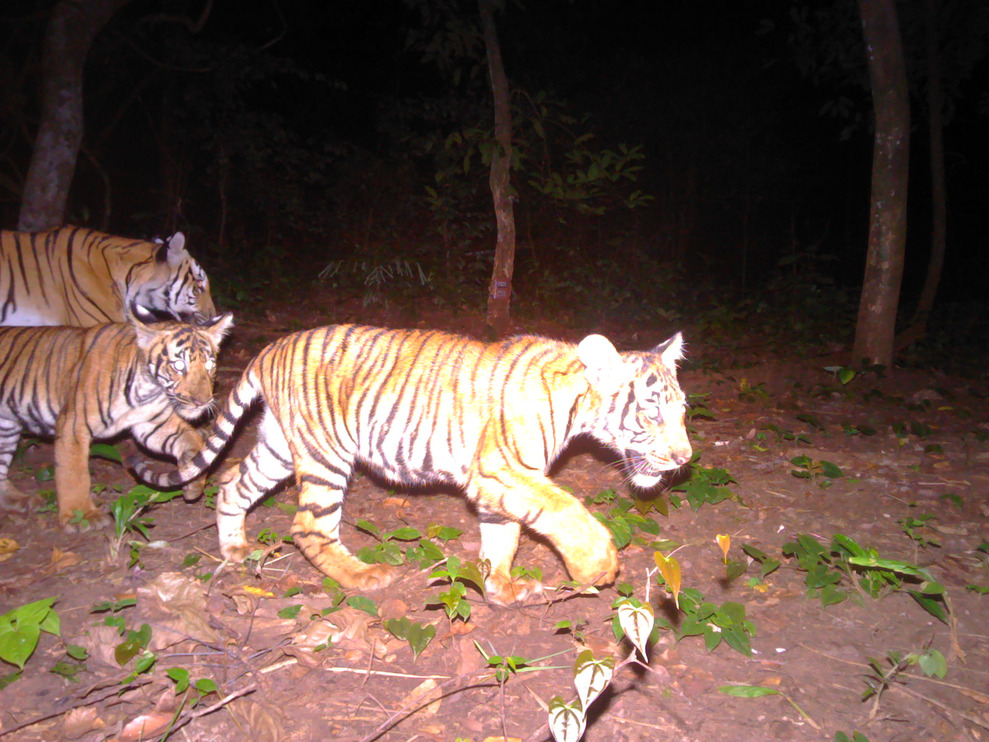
point(21, 628)
point(129, 518)
point(883, 674)
point(785, 435)
point(749, 393)
point(697, 407)
point(389, 549)
point(919, 530)
point(705, 486)
point(194, 690)
point(823, 472)
point(856, 737)
point(869, 575)
point(851, 430)
point(73, 664)
point(620, 520)
point(715, 623)
point(454, 600)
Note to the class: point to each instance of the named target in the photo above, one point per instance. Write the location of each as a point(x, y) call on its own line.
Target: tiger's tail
point(240, 399)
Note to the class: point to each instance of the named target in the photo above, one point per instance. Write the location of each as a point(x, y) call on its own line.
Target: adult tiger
point(421, 406)
point(76, 276)
point(78, 383)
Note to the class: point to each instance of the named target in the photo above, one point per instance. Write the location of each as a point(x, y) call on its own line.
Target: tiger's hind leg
point(11, 498)
point(316, 528)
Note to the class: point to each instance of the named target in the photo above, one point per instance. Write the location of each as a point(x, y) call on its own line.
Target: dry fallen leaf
point(61, 561)
point(424, 693)
point(81, 721)
point(144, 727)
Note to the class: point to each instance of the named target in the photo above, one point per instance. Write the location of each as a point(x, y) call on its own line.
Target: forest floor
point(897, 462)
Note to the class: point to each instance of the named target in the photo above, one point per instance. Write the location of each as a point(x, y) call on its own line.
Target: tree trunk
point(71, 30)
point(939, 196)
point(876, 326)
point(500, 289)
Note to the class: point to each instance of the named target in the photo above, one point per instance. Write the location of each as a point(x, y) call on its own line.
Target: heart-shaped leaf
point(591, 676)
point(566, 721)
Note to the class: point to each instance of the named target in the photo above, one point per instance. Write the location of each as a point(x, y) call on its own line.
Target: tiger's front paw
point(594, 563)
point(238, 551)
point(80, 521)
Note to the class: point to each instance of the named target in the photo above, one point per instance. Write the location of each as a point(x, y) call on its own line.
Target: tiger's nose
point(682, 456)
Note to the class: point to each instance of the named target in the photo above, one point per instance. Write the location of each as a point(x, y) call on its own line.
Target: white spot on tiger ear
point(176, 248)
point(599, 358)
point(671, 351)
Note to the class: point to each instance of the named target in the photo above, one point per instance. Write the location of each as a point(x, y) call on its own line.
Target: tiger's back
point(421, 406)
point(80, 277)
point(76, 384)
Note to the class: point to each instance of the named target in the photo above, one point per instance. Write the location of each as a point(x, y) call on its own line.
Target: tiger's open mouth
point(645, 473)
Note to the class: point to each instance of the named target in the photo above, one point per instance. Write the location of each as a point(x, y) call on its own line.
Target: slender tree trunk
point(71, 30)
point(875, 329)
point(500, 289)
point(939, 195)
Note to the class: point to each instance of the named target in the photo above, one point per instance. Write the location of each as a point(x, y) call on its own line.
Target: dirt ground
point(913, 453)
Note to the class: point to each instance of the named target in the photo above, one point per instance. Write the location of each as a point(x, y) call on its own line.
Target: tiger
point(76, 384)
point(422, 406)
point(80, 277)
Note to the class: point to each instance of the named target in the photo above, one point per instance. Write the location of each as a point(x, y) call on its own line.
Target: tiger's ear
point(218, 327)
point(145, 335)
point(602, 363)
point(172, 250)
point(670, 351)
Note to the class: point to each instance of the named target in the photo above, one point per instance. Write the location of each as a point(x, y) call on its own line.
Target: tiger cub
point(77, 384)
point(421, 406)
point(79, 277)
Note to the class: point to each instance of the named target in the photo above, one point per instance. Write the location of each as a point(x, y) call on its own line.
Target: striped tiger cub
point(77, 384)
point(422, 406)
point(75, 276)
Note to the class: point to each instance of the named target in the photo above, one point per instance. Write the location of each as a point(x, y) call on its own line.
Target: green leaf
point(289, 611)
point(179, 676)
point(592, 676)
point(363, 603)
point(206, 685)
point(933, 664)
point(17, 645)
point(419, 635)
point(566, 720)
point(76, 652)
point(405, 533)
point(931, 605)
point(105, 451)
point(747, 691)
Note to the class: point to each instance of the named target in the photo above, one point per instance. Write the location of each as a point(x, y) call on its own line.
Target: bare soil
point(276, 680)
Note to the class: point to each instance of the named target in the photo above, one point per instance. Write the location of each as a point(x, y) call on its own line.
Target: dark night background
point(287, 135)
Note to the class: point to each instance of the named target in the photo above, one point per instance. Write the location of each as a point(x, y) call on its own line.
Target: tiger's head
point(641, 410)
point(171, 285)
point(181, 359)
